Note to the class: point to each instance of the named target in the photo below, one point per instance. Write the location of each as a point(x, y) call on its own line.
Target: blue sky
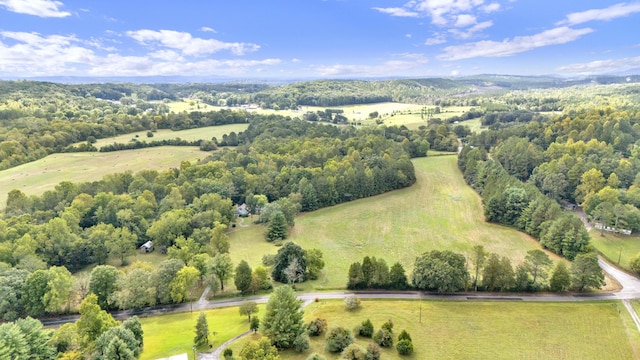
point(317, 38)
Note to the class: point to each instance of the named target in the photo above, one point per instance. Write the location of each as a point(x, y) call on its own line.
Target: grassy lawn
point(438, 212)
point(36, 177)
point(489, 330)
point(189, 105)
point(173, 334)
point(204, 133)
point(614, 246)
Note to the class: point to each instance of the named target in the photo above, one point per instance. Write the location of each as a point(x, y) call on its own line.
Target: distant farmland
point(36, 177)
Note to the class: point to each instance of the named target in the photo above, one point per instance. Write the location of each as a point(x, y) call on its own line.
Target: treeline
point(588, 158)
point(510, 202)
point(447, 271)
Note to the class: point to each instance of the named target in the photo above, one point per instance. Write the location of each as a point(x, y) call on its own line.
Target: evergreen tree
point(398, 277)
point(277, 228)
point(202, 331)
point(282, 322)
point(561, 278)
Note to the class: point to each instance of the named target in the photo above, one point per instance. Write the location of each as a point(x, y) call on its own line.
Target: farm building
point(242, 210)
point(146, 247)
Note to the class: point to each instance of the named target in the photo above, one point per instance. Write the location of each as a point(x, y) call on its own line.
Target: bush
point(316, 356)
point(388, 325)
point(354, 352)
point(635, 263)
point(405, 347)
point(383, 338)
point(373, 352)
point(301, 343)
point(228, 354)
point(316, 327)
point(338, 338)
point(404, 335)
point(351, 303)
point(365, 329)
point(268, 259)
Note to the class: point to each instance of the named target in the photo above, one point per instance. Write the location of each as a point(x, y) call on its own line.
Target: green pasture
point(189, 105)
point(616, 247)
point(36, 177)
point(173, 334)
point(204, 133)
point(439, 212)
point(488, 330)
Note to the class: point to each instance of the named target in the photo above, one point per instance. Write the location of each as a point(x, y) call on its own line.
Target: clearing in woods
point(439, 212)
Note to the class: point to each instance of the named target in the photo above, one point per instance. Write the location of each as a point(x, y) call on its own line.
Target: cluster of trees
point(293, 264)
point(95, 335)
point(510, 202)
point(447, 271)
point(374, 273)
point(587, 157)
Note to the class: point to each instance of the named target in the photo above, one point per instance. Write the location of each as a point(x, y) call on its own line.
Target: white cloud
point(518, 44)
point(442, 10)
point(606, 14)
point(295, 60)
point(188, 44)
point(397, 12)
point(41, 8)
point(470, 32)
point(408, 36)
point(208, 29)
point(602, 66)
point(436, 39)
point(455, 73)
point(33, 54)
point(464, 20)
point(489, 8)
point(404, 64)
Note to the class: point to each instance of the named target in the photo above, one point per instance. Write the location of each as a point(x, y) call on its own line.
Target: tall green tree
point(183, 284)
point(537, 262)
point(242, 278)
point(443, 271)
point(122, 244)
point(60, 286)
point(479, 258)
point(162, 278)
point(247, 308)
point(315, 263)
point(398, 277)
point(586, 273)
point(282, 322)
point(561, 278)
point(93, 321)
point(103, 283)
point(277, 227)
point(288, 254)
point(202, 331)
point(222, 267)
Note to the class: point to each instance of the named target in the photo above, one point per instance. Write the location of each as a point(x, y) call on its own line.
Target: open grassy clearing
point(439, 212)
point(36, 177)
point(173, 334)
point(189, 105)
point(615, 246)
point(489, 330)
point(204, 133)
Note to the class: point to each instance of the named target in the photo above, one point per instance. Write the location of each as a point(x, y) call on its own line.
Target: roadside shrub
point(338, 338)
point(351, 303)
point(373, 352)
point(404, 347)
point(365, 329)
point(384, 338)
point(316, 327)
point(354, 352)
point(635, 263)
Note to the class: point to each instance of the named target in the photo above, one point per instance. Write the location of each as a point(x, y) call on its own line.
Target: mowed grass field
point(36, 177)
point(614, 247)
point(439, 212)
point(488, 330)
point(204, 133)
point(173, 334)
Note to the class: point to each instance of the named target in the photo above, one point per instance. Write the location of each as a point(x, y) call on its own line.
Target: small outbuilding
point(146, 247)
point(242, 210)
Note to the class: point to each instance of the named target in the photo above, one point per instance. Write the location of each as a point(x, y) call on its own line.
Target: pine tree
point(202, 331)
point(243, 276)
point(282, 322)
point(277, 229)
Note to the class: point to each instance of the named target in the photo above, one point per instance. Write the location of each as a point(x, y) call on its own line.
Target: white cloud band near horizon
point(40, 8)
point(602, 66)
point(508, 47)
point(187, 44)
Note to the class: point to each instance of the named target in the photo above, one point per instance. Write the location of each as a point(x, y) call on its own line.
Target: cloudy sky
point(317, 38)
